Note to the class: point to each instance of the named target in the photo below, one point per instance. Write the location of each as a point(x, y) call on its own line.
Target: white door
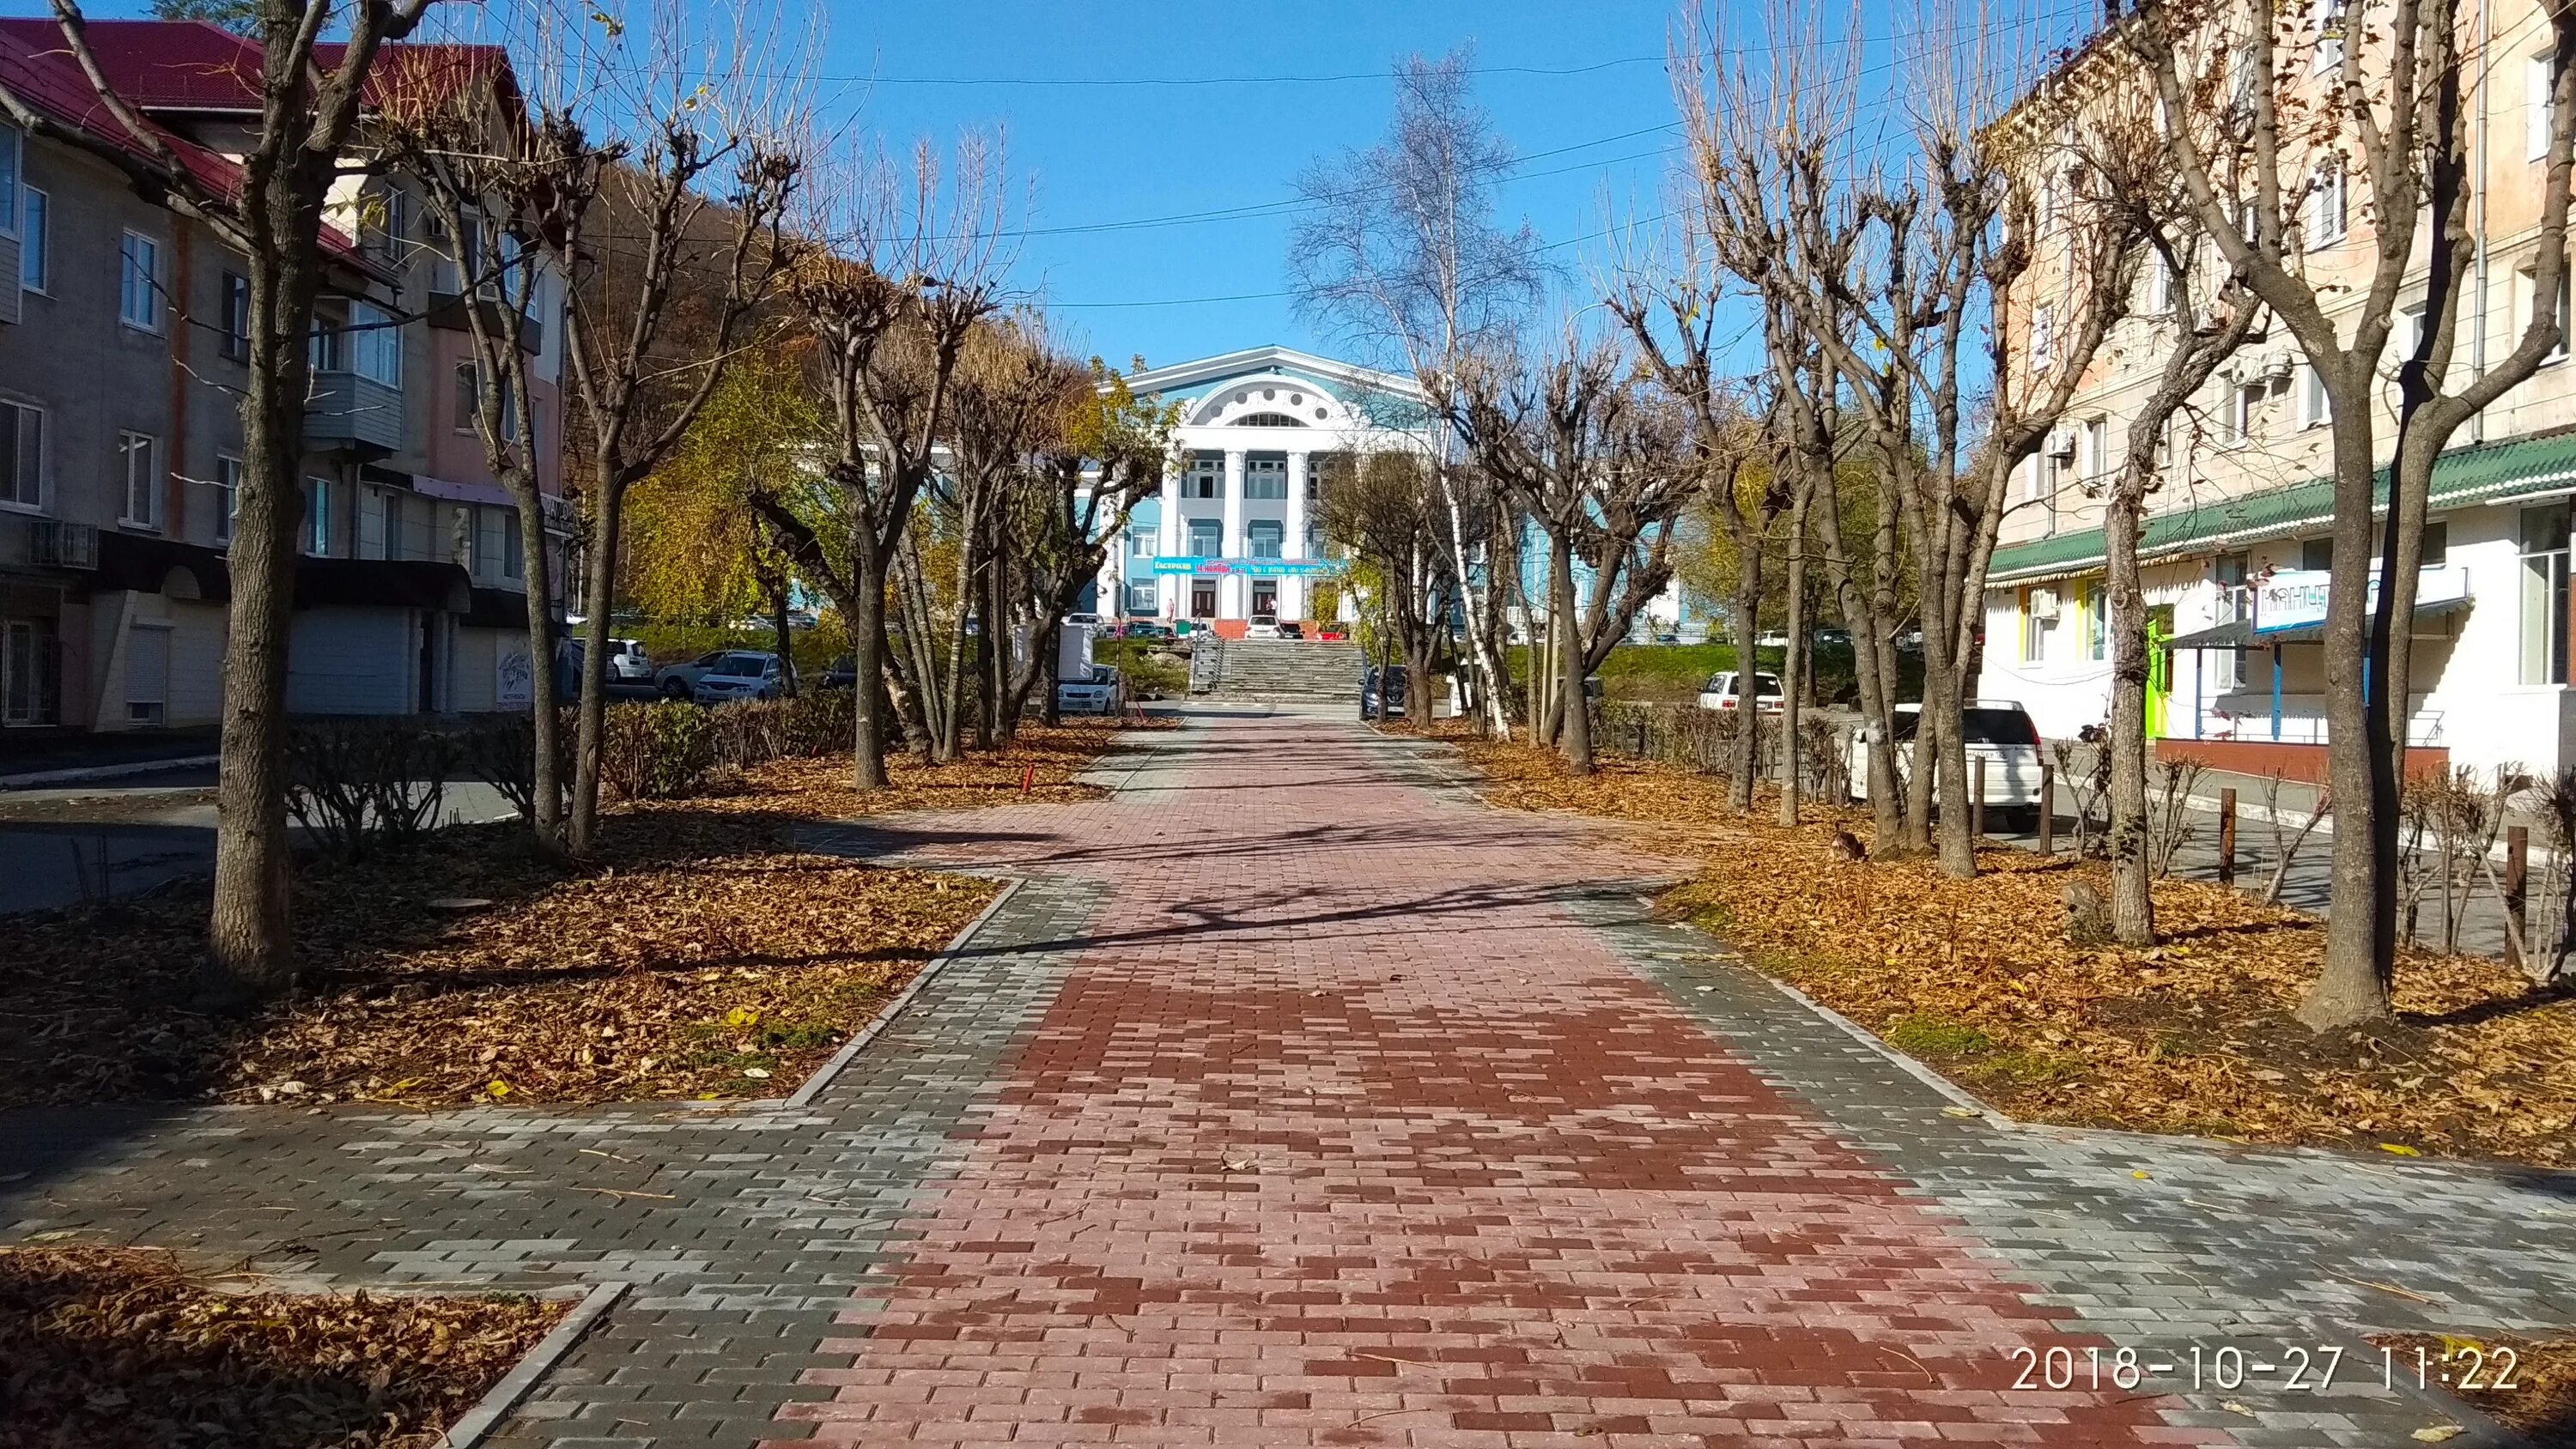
point(147, 674)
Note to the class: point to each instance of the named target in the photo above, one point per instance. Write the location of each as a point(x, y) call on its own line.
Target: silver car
point(1104, 693)
point(739, 674)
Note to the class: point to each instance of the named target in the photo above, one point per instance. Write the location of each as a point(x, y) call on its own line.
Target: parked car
point(1083, 617)
point(1104, 693)
point(1291, 629)
point(1394, 675)
point(1726, 686)
point(1998, 731)
point(1145, 629)
point(627, 662)
point(675, 681)
point(841, 673)
point(1263, 626)
point(738, 674)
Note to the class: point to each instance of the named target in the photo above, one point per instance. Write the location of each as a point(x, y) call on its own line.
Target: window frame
point(317, 517)
point(35, 239)
point(234, 298)
point(227, 486)
point(373, 334)
point(141, 276)
point(15, 462)
point(13, 175)
point(2330, 180)
point(128, 444)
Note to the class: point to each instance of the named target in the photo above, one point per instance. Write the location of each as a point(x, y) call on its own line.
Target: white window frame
point(2043, 335)
point(2316, 409)
point(138, 281)
point(35, 240)
point(374, 346)
point(2539, 80)
point(2329, 204)
point(2097, 448)
point(2330, 21)
point(132, 447)
point(227, 485)
point(16, 464)
point(2244, 401)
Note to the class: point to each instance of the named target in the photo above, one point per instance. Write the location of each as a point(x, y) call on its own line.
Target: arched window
point(1267, 420)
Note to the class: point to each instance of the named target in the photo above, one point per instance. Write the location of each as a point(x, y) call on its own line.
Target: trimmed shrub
point(664, 751)
point(358, 784)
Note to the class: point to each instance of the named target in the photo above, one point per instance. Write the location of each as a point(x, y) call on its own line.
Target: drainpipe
point(2478, 212)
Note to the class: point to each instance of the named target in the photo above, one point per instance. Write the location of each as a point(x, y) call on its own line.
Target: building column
point(1170, 597)
point(1292, 540)
point(1232, 597)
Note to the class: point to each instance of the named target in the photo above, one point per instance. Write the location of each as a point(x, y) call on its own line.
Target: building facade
point(1235, 532)
point(123, 349)
point(2236, 543)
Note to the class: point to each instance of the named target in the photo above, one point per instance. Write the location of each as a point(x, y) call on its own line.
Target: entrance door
point(2160, 627)
point(147, 674)
point(1203, 600)
point(1265, 596)
point(428, 662)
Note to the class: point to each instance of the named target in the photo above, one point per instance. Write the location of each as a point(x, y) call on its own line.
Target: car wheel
point(675, 689)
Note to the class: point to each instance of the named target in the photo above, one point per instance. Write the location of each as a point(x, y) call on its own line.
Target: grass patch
point(1922, 1034)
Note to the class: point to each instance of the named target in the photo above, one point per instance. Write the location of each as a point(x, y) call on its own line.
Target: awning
point(2462, 477)
point(2242, 635)
point(144, 564)
point(362, 583)
point(497, 609)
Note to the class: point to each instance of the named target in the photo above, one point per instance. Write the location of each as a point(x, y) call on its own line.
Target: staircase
point(1280, 669)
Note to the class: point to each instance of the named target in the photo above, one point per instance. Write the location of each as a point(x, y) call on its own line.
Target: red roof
point(161, 65)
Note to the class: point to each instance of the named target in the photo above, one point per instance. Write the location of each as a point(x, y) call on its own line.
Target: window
point(513, 542)
point(317, 516)
point(2544, 594)
point(2330, 15)
point(10, 142)
point(236, 317)
point(26, 673)
point(228, 472)
point(2097, 448)
point(1143, 598)
point(468, 397)
point(1261, 538)
point(134, 459)
point(2035, 629)
point(1140, 542)
point(375, 344)
point(2437, 544)
point(2540, 83)
point(392, 219)
point(2164, 288)
point(1265, 478)
point(2097, 632)
point(22, 455)
point(1206, 478)
point(2315, 408)
point(2531, 289)
point(138, 282)
point(1267, 420)
point(2316, 554)
point(1205, 540)
point(2043, 327)
point(34, 235)
point(2327, 204)
point(325, 345)
point(2245, 410)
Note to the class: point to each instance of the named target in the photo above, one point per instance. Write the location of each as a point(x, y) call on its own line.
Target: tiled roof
point(160, 65)
point(2484, 473)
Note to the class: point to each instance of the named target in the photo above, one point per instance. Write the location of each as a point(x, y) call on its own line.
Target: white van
point(1998, 731)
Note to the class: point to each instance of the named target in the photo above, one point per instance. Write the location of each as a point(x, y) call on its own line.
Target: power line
point(1220, 80)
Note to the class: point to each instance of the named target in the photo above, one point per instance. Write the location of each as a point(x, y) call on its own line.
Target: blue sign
point(1202, 567)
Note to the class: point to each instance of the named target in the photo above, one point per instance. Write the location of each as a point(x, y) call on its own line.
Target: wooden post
point(2227, 837)
point(2047, 809)
point(2517, 872)
point(1977, 800)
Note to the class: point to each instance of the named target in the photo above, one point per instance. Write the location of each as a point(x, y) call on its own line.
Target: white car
point(738, 674)
point(1725, 690)
point(627, 663)
point(1103, 693)
point(1263, 626)
point(1997, 731)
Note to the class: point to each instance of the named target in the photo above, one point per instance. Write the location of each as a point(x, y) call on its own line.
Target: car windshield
point(1997, 727)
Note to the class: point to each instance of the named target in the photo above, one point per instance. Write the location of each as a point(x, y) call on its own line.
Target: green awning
point(2486, 473)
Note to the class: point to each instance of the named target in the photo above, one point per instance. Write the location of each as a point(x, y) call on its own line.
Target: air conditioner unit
point(2043, 604)
point(55, 544)
point(2061, 444)
point(2278, 367)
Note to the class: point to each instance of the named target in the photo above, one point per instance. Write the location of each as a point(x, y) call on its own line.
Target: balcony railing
point(352, 411)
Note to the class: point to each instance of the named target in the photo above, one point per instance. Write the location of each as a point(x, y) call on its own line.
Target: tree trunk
point(545, 711)
point(1748, 634)
point(868, 659)
point(2133, 918)
point(598, 598)
point(1050, 668)
point(1793, 673)
point(2361, 918)
point(786, 642)
point(250, 945)
point(1576, 726)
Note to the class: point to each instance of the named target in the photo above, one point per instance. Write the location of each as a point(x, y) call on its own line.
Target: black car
point(1394, 676)
point(1291, 629)
point(842, 673)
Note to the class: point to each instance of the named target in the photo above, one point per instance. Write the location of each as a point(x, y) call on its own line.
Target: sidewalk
point(1301, 1099)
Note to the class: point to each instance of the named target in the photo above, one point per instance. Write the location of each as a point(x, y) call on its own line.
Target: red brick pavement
point(1341, 1132)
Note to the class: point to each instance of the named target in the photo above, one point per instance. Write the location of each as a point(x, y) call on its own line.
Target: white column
point(1292, 540)
point(1168, 595)
point(1233, 601)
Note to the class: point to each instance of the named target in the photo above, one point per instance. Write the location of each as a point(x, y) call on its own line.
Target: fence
point(1704, 740)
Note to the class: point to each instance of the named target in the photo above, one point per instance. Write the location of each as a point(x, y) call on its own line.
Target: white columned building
point(1231, 527)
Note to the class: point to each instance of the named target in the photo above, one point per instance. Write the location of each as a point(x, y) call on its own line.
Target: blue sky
point(1094, 154)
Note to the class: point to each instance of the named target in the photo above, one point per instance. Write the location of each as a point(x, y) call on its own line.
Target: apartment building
point(122, 353)
point(2235, 544)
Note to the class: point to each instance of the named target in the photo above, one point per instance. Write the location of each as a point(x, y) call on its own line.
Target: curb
point(804, 1095)
point(35, 779)
point(486, 1416)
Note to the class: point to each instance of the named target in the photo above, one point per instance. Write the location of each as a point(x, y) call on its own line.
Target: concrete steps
point(1278, 669)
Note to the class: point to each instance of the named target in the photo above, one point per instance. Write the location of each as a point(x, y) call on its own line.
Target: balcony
point(447, 311)
point(355, 413)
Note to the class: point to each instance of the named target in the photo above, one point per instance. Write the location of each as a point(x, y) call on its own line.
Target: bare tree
point(1402, 251)
point(268, 206)
point(2281, 105)
point(907, 266)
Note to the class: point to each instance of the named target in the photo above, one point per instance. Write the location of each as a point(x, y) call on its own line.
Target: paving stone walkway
point(1298, 1098)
